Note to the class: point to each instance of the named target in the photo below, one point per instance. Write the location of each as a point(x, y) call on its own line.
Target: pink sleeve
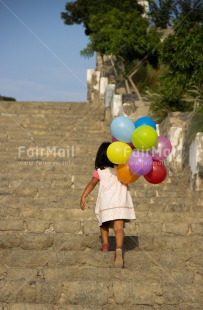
point(96, 175)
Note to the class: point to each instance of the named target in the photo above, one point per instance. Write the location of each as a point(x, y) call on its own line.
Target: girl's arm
point(90, 186)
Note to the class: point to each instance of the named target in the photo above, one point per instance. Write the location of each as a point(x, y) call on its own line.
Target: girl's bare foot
point(118, 259)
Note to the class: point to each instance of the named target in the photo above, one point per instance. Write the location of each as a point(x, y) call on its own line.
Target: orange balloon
point(125, 175)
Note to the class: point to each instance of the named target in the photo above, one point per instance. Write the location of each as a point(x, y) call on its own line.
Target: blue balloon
point(122, 128)
point(145, 120)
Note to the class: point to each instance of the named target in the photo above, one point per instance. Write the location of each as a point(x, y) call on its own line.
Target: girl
point(114, 204)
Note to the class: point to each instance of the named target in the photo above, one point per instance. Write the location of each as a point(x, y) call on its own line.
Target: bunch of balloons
point(138, 150)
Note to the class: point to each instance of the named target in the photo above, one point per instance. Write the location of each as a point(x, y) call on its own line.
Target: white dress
point(114, 200)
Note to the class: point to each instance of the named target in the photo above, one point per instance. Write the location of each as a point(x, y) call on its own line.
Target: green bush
point(4, 98)
point(196, 124)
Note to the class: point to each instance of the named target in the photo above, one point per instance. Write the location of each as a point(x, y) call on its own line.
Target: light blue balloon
point(145, 120)
point(122, 128)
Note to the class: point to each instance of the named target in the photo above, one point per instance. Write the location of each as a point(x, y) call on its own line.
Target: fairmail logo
point(43, 152)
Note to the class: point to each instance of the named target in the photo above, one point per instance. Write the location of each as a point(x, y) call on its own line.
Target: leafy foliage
point(4, 98)
point(161, 13)
point(123, 34)
point(114, 27)
point(191, 11)
point(81, 11)
point(181, 53)
point(118, 28)
point(164, 13)
point(196, 124)
point(148, 77)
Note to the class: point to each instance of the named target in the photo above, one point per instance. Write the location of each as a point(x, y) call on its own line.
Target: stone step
point(97, 293)
point(41, 107)
point(19, 166)
point(81, 145)
point(67, 241)
point(85, 271)
point(85, 274)
point(56, 212)
point(56, 194)
point(108, 273)
point(48, 153)
point(50, 171)
point(65, 118)
point(136, 259)
point(24, 208)
point(78, 157)
point(28, 146)
point(59, 130)
point(59, 306)
point(49, 115)
point(25, 124)
point(45, 138)
point(69, 198)
point(66, 185)
point(72, 203)
point(109, 306)
point(145, 226)
point(19, 169)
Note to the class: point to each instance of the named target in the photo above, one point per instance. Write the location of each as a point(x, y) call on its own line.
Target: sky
point(40, 55)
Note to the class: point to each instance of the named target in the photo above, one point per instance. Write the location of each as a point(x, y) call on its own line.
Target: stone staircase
point(49, 248)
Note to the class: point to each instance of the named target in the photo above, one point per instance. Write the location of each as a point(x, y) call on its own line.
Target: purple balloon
point(162, 149)
point(140, 163)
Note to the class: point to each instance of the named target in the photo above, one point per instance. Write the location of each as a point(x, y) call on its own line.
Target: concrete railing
point(196, 162)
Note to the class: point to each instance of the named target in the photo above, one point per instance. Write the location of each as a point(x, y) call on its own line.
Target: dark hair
point(102, 160)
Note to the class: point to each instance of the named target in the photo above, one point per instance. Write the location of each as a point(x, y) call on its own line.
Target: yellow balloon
point(119, 152)
point(144, 138)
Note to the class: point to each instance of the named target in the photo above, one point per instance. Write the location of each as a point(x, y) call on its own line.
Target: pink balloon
point(162, 149)
point(129, 143)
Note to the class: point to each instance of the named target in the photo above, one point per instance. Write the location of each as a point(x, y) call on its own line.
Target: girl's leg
point(119, 233)
point(104, 230)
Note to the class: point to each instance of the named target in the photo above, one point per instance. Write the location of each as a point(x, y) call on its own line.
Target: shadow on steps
point(130, 243)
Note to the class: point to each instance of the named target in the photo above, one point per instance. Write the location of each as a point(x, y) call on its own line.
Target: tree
point(114, 28)
point(118, 28)
point(5, 98)
point(81, 11)
point(191, 11)
point(181, 53)
point(161, 12)
point(123, 34)
point(164, 13)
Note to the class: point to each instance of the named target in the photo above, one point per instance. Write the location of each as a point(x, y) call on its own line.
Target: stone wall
point(175, 127)
point(184, 153)
point(105, 89)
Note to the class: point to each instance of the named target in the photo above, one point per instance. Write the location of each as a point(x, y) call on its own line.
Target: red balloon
point(157, 174)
